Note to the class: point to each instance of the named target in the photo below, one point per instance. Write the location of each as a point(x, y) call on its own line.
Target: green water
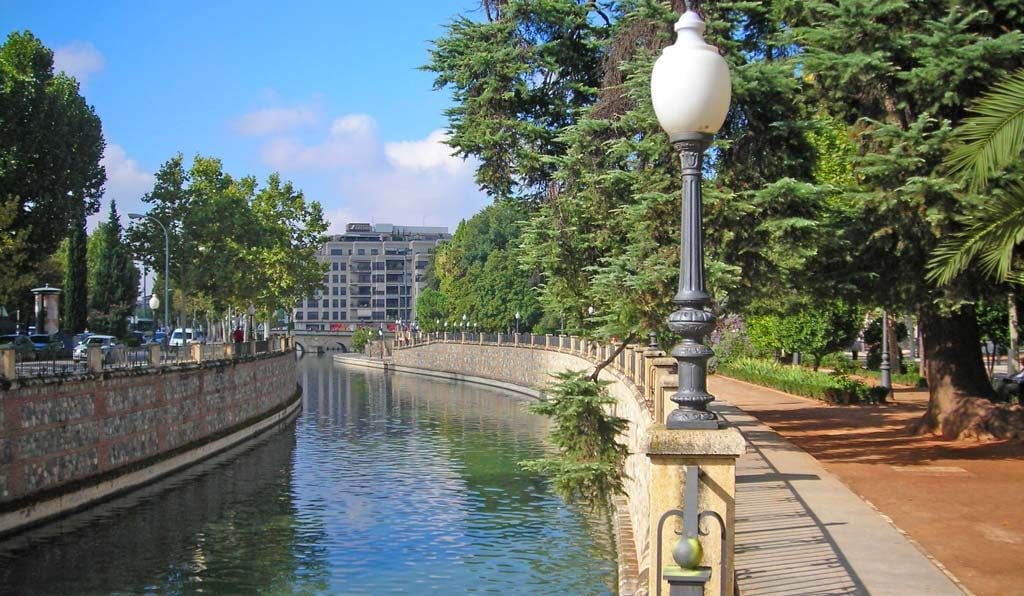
point(385, 484)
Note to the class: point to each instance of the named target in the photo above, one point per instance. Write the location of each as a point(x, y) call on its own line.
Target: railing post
point(664, 383)
point(693, 472)
point(94, 359)
point(229, 351)
point(547, 341)
point(196, 353)
point(154, 355)
point(8, 364)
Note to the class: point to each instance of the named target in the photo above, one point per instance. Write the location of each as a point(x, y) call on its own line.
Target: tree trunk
point(1012, 354)
point(959, 404)
point(615, 354)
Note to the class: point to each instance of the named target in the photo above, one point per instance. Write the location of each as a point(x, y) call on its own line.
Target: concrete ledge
point(67, 503)
point(724, 441)
point(382, 365)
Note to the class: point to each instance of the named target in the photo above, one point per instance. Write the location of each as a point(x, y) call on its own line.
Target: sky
point(328, 93)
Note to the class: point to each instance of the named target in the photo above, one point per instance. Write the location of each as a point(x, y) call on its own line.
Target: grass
point(832, 388)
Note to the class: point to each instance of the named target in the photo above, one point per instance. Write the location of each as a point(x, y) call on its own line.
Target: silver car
point(105, 343)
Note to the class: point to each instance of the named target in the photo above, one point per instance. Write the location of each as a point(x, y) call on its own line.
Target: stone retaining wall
point(59, 437)
point(530, 367)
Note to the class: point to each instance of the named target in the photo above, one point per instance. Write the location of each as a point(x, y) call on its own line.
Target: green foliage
point(590, 462)
point(361, 338)
point(516, 80)
point(232, 242)
point(479, 272)
point(76, 286)
point(50, 148)
point(833, 388)
point(431, 310)
point(810, 328)
point(116, 285)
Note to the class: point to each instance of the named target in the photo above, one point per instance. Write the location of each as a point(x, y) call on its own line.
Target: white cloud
point(359, 178)
point(79, 59)
point(279, 119)
point(428, 154)
point(126, 183)
point(352, 141)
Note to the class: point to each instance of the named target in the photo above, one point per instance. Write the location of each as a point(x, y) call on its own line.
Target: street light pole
point(167, 259)
point(691, 91)
point(517, 323)
point(886, 365)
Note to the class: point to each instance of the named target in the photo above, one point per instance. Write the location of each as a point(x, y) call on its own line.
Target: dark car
point(22, 345)
point(1011, 387)
point(48, 346)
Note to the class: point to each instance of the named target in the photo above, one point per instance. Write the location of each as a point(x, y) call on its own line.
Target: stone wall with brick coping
point(62, 436)
point(531, 367)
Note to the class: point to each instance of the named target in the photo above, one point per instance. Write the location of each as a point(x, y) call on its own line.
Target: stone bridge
point(323, 341)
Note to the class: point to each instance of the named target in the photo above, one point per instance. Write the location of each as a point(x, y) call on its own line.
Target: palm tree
point(988, 140)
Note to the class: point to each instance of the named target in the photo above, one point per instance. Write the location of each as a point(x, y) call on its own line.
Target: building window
point(342, 278)
point(360, 251)
point(374, 251)
point(299, 315)
point(312, 303)
point(342, 305)
point(313, 316)
point(337, 251)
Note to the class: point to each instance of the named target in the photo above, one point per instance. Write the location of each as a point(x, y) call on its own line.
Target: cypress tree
point(76, 299)
point(116, 285)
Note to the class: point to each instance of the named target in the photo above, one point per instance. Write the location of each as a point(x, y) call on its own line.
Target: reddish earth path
point(962, 502)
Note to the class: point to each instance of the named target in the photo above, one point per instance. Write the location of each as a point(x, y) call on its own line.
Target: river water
point(384, 484)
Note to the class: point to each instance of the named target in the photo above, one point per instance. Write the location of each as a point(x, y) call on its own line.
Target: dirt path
point(963, 502)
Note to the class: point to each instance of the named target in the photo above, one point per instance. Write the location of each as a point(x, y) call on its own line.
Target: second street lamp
point(167, 258)
point(691, 91)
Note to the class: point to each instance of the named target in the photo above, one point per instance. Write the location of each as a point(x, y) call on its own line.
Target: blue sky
point(326, 93)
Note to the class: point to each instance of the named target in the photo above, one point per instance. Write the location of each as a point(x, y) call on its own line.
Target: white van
point(183, 337)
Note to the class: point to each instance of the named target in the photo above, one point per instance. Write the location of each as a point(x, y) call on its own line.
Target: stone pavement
point(799, 530)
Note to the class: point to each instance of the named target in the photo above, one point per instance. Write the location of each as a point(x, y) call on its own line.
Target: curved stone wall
point(531, 367)
point(67, 443)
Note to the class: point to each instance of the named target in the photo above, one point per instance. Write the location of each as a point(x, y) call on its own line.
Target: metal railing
point(629, 363)
point(59, 364)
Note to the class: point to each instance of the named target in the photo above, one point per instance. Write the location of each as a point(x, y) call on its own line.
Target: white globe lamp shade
point(154, 302)
point(690, 86)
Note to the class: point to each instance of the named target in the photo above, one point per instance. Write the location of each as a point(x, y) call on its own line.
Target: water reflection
point(387, 483)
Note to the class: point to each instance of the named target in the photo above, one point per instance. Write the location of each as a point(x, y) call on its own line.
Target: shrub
point(590, 461)
point(839, 362)
point(833, 388)
point(361, 338)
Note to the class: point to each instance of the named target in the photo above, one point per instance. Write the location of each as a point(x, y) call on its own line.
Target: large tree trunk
point(959, 403)
point(1012, 354)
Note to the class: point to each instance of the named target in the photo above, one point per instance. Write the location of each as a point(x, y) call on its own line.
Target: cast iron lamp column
point(167, 258)
point(690, 90)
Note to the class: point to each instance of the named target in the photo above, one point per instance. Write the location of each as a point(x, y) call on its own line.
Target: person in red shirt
point(238, 335)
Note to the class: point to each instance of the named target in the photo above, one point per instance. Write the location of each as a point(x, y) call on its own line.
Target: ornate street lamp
point(691, 91)
point(517, 323)
point(167, 258)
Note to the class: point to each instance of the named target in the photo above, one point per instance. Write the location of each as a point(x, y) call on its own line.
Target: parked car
point(1011, 387)
point(182, 337)
point(23, 347)
point(48, 346)
point(105, 342)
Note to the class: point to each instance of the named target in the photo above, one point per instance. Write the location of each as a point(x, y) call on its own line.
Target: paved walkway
point(799, 530)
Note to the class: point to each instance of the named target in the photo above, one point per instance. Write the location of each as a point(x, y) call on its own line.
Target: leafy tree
point(479, 272)
point(875, 66)
point(361, 338)
point(50, 149)
point(116, 287)
point(989, 141)
point(431, 306)
point(591, 460)
point(281, 248)
point(516, 79)
point(76, 289)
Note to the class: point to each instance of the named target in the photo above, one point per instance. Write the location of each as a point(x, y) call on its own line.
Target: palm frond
point(993, 136)
point(990, 235)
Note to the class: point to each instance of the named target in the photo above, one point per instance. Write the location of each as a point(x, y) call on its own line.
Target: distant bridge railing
point(15, 365)
point(645, 367)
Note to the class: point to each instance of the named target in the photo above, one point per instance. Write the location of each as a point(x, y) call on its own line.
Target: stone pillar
point(714, 452)
point(547, 341)
point(94, 359)
point(664, 383)
point(154, 355)
point(196, 353)
point(229, 351)
point(8, 364)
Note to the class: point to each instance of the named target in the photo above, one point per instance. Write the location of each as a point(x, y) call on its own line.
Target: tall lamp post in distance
point(517, 323)
point(167, 258)
point(691, 91)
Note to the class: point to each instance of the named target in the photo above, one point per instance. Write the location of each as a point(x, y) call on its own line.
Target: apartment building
point(374, 276)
